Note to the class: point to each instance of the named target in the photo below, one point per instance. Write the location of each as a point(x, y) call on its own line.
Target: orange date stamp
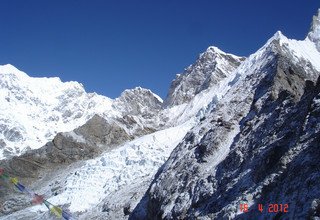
point(270, 208)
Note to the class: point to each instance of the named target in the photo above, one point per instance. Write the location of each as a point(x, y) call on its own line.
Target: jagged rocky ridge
point(248, 132)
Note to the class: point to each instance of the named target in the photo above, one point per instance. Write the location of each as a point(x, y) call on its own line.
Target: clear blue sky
point(111, 45)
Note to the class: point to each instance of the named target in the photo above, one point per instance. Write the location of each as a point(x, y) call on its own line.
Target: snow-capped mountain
point(34, 110)
point(232, 130)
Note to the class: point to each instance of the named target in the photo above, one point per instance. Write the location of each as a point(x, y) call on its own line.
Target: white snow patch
point(76, 137)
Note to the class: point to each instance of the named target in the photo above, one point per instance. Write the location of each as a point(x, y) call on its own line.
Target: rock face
point(257, 145)
point(212, 66)
point(100, 132)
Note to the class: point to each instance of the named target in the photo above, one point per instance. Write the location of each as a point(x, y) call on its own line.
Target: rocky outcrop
point(85, 142)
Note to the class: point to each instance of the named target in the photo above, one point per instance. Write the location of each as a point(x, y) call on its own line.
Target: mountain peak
point(278, 36)
point(214, 49)
point(211, 67)
point(215, 53)
point(314, 33)
point(10, 69)
point(139, 91)
point(137, 101)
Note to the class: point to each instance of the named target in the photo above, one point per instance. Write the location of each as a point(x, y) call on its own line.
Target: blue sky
point(112, 45)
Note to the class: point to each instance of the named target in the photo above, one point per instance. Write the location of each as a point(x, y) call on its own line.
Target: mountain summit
point(211, 67)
